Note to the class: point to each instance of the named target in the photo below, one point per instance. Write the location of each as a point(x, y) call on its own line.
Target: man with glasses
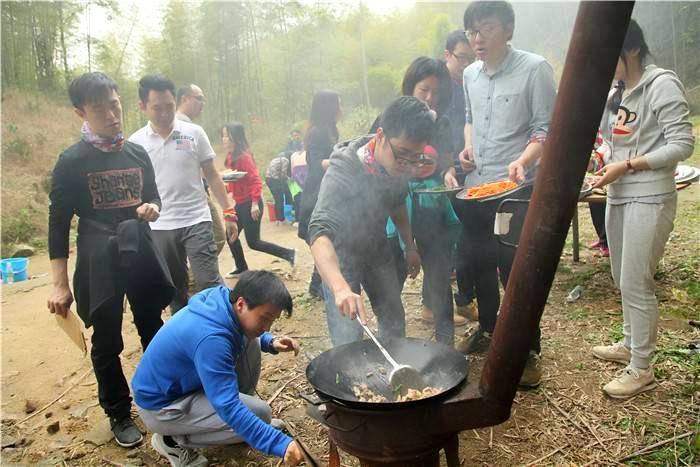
point(458, 55)
point(509, 97)
point(367, 182)
point(190, 103)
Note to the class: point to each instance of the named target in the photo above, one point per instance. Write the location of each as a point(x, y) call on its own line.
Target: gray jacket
point(353, 205)
point(652, 121)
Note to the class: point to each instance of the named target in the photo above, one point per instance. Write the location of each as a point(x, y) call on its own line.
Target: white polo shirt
point(177, 163)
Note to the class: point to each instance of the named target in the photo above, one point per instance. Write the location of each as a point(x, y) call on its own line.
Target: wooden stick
point(595, 435)
point(564, 414)
point(109, 462)
point(654, 446)
point(82, 377)
point(279, 391)
point(537, 461)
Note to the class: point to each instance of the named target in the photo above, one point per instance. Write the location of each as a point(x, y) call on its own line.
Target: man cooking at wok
point(364, 185)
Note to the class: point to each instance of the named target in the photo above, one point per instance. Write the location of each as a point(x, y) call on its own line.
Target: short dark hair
point(454, 38)
point(425, 67)
point(410, 117)
point(261, 287)
point(89, 88)
point(154, 82)
point(182, 91)
point(481, 9)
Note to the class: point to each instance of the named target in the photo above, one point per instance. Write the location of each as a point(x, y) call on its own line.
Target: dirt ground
point(567, 421)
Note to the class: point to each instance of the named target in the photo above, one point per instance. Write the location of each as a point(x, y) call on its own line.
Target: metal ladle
point(402, 377)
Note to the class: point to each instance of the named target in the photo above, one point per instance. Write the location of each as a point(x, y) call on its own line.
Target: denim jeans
point(375, 273)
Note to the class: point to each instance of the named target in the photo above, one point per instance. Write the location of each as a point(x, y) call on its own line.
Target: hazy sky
point(150, 13)
point(148, 19)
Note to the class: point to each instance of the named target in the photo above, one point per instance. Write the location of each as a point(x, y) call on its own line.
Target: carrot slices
point(488, 189)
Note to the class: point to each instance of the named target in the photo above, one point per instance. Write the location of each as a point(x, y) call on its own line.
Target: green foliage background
point(261, 62)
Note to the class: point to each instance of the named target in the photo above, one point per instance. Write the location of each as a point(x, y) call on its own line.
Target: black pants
point(490, 260)
point(435, 249)
point(465, 273)
point(297, 206)
point(281, 195)
point(598, 218)
point(252, 235)
point(107, 344)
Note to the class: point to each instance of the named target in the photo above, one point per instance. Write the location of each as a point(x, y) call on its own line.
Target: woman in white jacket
point(647, 129)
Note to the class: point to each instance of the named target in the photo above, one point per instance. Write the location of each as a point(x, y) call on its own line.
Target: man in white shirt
point(180, 153)
point(190, 104)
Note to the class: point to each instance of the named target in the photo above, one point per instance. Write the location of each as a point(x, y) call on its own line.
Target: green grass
point(615, 331)
point(19, 228)
point(667, 455)
point(678, 361)
point(686, 449)
point(584, 277)
point(695, 120)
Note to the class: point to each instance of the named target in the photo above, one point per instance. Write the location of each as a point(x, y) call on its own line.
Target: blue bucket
point(288, 213)
point(14, 270)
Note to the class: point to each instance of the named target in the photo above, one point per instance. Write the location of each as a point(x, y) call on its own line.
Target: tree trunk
point(66, 72)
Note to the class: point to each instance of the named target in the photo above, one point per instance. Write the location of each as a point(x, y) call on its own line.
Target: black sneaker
point(126, 433)
point(235, 273)
point(478, 342)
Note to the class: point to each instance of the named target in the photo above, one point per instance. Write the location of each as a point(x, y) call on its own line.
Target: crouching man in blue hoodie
point(195, 384)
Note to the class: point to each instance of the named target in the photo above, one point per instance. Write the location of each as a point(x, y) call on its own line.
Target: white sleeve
point(204, 149)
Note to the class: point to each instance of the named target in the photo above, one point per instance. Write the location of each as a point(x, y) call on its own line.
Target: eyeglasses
point(200, 98)
point(487, 31)
point(414, 160)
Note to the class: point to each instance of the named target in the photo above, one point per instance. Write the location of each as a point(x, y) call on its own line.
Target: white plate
point(232, 175)
point(686, 173)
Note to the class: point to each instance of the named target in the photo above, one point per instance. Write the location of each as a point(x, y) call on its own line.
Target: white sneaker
point(613, 353)
point(178, 455)
point(630, 382)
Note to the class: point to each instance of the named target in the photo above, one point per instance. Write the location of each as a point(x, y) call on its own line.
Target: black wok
point(335, 372)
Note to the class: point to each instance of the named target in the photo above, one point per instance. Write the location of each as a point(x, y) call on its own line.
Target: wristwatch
point(630, 169)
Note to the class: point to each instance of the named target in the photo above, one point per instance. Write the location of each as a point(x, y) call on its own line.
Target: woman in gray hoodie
point(647, 128)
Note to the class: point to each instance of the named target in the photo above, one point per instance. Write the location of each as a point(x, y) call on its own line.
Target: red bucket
point(271, 212)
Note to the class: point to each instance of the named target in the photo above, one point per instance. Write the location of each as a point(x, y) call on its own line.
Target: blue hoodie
point(196, 350)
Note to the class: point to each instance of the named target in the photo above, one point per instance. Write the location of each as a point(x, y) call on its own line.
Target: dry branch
point(654, 446)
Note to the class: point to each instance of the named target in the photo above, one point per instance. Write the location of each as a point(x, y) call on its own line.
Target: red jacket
point(248, 188)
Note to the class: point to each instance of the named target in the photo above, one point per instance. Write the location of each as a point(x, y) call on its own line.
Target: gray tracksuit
point(652, 121)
